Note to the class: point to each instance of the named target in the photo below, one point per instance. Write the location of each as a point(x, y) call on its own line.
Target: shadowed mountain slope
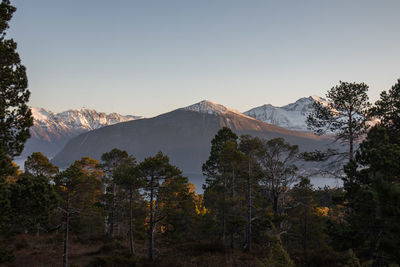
point(183, 134)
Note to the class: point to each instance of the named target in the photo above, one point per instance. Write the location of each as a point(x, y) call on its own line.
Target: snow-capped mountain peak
point(40, 114)
point(292, 116)
point(50, 130)
point(210, 107)
point(77, 119)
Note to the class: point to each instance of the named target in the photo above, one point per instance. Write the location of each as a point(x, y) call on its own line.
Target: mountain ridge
point(292, 116)
point(183, 134)
point(51, 130)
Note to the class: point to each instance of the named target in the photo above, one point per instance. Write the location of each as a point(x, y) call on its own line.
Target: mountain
point(184, 135)
point(292, 116)
point(51, 131)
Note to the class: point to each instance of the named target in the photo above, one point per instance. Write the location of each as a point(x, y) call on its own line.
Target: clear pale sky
point(148, 57)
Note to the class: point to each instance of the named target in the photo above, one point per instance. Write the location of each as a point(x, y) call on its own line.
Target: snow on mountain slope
point(210, 107)
point(292, 116)
point(50, 130)
point(81, 120)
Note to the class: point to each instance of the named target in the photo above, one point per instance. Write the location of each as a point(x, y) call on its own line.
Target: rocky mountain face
point(292, 116)
point(184, 135)
point(51, 131)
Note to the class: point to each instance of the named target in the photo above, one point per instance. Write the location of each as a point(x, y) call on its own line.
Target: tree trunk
point(248, 228)
point(151, 236)
point(233, 183)
point(112, 215)
point(65, 255)
point(275, 194)
point(37, 229)
point(275, 197)
point(351, 156)
point(223, 224)
point(233, 208)
point(305, 235)
point(223, 211)
point(351, 137)
point(132, 248)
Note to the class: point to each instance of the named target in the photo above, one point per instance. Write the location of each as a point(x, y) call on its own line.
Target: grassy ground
point(47, 250)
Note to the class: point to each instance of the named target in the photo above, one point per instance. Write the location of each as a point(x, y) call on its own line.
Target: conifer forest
point(256, 208)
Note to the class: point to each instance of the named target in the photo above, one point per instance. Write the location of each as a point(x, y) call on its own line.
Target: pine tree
point(110, 162)
point(79, 187)
point(178, 209)
point(211, 168)
point(387, 110)
point(306, 240)
point(277, 160)
point(216, 189)
point(33, 201)
point(372, 188)
point(250, 147)
point(126, 176)
point(372, 197)
point(38, 164)
point(232, 164)
point(15, 115)
point(154, 171)
point(345, 114)
point(388, 196)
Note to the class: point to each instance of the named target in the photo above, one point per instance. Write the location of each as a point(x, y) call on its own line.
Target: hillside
point(183, 134)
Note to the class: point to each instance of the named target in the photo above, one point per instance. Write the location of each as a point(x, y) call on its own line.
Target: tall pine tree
point(216, 189)
point(15, 115)
point(345, 115)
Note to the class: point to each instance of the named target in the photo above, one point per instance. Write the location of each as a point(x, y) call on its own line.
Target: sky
point(149, 57)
